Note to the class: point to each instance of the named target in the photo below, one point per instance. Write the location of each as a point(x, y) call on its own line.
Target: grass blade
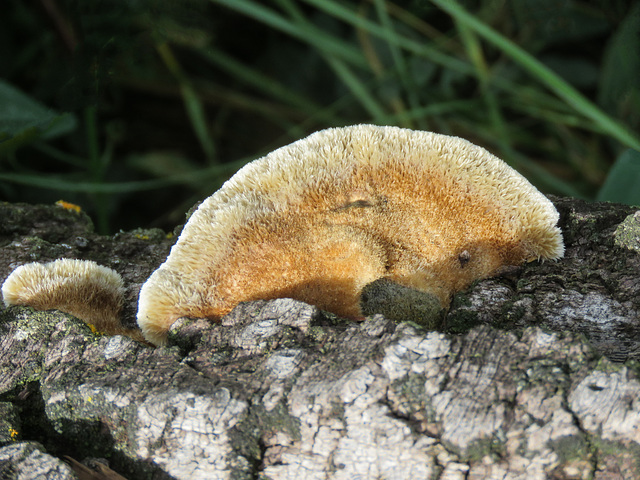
point(543, 74)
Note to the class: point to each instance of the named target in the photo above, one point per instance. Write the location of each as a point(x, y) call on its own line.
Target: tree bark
point(534, 374)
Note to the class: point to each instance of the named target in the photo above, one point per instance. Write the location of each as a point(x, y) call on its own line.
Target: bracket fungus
point(324, 217)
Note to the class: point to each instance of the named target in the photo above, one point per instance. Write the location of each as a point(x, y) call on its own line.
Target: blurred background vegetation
point(137, 109)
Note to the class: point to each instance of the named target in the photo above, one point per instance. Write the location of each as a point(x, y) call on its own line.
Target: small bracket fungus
point(320, 219)
point(81, 288)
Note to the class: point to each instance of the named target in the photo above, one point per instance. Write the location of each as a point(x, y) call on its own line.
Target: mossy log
point(534, 374)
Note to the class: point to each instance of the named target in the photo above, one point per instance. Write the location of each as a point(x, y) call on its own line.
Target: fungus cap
point(83, 288)
point(322, 217)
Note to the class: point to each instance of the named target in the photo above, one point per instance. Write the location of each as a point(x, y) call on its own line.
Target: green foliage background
point(137, 109)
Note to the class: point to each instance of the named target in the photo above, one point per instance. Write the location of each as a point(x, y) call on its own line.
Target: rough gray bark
point(515, 386)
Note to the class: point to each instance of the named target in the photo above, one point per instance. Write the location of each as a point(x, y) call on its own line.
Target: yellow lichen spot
point(13, 433)
point(142, 237)
point(69, 206)
point(93, 329)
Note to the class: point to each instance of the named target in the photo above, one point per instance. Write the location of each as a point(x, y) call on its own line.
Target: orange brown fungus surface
point(321, 218)
point(82, 288)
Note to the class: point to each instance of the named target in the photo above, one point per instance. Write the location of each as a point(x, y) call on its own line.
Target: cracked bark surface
point(534, 376)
